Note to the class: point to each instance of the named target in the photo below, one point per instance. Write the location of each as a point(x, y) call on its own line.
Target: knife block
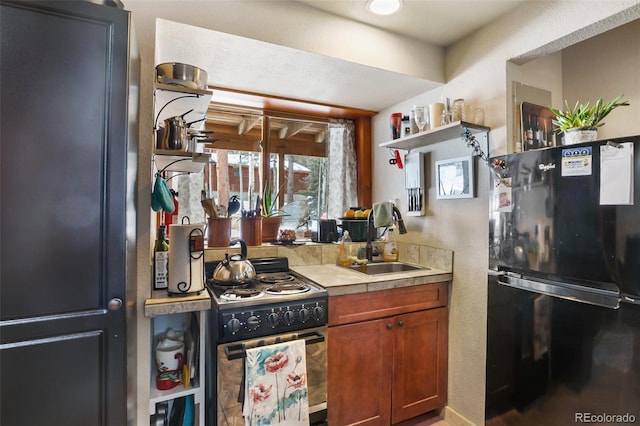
point(415, 183)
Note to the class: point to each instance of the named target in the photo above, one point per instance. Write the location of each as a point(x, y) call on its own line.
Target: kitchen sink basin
point(385, 268)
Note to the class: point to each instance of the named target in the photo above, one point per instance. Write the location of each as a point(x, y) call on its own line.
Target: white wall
point(476, 71)
point(606, 67)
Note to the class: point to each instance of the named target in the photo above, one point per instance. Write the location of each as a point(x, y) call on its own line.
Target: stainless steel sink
point(385, 268)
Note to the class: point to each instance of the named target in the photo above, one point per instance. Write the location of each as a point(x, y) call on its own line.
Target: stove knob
point(304, 314)
point(233, 325)
point(289, 317)
point(318, 312)
point(253, 322)
point(272, 319)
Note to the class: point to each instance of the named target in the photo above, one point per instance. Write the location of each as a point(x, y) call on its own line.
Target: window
point(290, 151)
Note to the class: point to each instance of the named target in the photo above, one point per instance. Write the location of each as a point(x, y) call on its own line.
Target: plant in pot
point(271, 215)
point(580, 123)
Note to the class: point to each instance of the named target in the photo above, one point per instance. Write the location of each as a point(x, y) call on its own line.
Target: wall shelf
point(179, 161)
point(439, 134)
point(171, 101)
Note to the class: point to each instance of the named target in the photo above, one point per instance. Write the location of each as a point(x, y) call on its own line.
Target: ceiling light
point(384, 7)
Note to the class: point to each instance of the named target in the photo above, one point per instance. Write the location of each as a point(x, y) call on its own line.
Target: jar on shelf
point(396, 125)
point(458, 110)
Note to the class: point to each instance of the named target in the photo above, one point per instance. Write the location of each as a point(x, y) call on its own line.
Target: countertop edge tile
point(166, 305)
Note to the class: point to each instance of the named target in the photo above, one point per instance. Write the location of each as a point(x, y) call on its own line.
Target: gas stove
point(276, 301)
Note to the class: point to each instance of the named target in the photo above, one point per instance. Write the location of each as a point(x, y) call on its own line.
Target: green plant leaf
point(582, 115)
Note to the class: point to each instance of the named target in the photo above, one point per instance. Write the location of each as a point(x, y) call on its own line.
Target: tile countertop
point(162, 304)
point(339, 280)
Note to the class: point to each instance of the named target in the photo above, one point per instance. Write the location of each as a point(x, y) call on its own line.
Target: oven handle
point(238, 351)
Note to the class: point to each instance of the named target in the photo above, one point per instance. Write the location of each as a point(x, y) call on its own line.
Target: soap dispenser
point(390, 252)
point(344, 257)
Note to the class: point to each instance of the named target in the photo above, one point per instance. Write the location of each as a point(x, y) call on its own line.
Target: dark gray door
point(63, 138)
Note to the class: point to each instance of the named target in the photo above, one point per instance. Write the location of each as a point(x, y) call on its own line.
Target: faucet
point(397, 218)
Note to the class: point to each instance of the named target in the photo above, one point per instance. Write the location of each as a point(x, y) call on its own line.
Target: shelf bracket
point(155, 123)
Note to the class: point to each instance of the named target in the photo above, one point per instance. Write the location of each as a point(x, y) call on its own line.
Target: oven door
point(230, 383)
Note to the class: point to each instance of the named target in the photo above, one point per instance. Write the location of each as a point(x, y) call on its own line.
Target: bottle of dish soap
point(390, 251)
point(344, 256)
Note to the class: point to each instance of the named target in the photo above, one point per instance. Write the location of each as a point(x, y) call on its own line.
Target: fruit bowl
point(356, 213)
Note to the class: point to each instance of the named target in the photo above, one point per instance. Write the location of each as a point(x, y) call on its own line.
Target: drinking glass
point(420, 115)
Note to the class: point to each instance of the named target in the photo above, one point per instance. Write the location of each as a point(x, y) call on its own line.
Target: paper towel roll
point(186, 259)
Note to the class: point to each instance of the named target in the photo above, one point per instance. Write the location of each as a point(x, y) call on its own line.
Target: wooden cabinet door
point(360, 358)
point(420, 363)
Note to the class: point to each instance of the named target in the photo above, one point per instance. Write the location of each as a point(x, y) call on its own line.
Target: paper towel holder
point(195, 277)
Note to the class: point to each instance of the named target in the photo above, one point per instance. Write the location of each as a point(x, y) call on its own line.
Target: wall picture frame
point(455, 178)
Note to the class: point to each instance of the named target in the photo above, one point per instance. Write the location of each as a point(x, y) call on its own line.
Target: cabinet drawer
point(378, 304)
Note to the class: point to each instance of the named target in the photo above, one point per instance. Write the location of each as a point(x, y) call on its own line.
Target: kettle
point(235, 269)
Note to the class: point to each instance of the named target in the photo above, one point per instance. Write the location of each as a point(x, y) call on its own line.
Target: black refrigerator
point(563, 318)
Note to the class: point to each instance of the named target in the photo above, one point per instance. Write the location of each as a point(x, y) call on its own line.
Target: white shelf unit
point(170, 161)
point(170, 101)
point(164, 313)
point(439, 134)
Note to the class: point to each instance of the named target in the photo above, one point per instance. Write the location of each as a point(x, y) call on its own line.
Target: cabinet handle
point(389, 326)
point(400, 323)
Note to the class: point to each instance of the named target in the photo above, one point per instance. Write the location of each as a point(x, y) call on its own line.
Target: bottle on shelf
point(528, 134)
point(390, 251)
point(160, 260)
point(344, 256)
point(545, 133)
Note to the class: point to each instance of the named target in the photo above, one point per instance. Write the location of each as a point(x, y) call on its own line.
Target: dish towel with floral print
point(276, 385)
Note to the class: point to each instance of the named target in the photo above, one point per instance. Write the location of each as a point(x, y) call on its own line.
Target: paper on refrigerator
point(616, 174)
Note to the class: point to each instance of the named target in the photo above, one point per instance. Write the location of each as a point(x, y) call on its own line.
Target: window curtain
point(342, 172)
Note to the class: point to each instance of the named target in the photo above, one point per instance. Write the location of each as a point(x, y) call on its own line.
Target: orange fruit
point(367, 212)
point(349, 213)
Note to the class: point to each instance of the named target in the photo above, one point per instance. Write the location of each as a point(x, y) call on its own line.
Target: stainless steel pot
point(174, 135)
point(235, 269)
point(183, 75)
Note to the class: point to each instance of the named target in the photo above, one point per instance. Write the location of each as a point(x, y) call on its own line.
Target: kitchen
point(476, 68)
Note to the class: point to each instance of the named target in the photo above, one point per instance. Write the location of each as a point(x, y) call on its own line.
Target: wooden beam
point(247, 124)
point(292, 129)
